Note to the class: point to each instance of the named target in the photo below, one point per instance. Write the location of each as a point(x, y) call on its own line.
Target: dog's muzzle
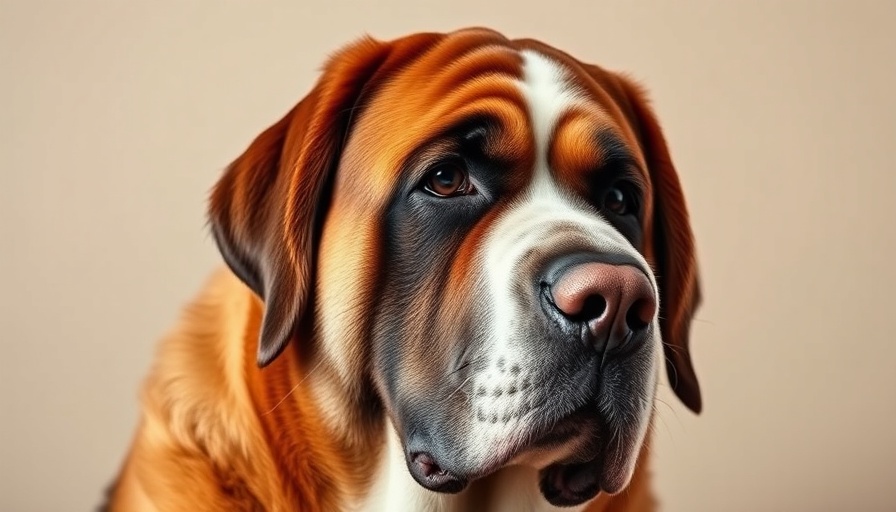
point(597, 312)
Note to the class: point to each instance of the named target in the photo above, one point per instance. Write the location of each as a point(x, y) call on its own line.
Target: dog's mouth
point(570, 484)
point(566, 485)
point(590, 462)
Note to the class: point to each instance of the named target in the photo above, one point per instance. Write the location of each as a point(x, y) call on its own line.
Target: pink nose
point(616, 302)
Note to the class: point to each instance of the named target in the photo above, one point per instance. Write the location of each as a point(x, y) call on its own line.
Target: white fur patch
point(496, 391)
point(531, 223)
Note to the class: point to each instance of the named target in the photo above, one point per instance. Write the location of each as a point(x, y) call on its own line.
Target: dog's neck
point(319, 466)
point(334, 454)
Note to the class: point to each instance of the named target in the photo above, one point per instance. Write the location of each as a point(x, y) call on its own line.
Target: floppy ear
point(266, 210)
point(673, 250)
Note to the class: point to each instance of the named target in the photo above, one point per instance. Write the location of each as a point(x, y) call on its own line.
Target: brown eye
point(447, 180)
point(619, 201)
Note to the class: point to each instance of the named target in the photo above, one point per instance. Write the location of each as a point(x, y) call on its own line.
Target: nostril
point(593, 307)
point(640, 314)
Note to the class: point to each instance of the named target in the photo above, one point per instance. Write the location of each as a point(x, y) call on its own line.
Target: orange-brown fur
point(212, 437)
point(218, 432)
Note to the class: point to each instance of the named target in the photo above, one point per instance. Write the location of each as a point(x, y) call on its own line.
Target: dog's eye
point(447, 180)
point(619, 200)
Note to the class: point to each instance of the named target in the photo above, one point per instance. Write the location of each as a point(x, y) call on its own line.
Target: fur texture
point(363, 319)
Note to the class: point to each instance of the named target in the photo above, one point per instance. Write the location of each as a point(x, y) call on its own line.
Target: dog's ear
point(672, 248)
point(266, 210)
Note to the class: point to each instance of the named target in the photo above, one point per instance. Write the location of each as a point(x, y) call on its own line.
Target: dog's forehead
point(546, 103)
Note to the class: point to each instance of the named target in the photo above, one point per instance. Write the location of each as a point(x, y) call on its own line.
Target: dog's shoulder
point(197, 387)
point(200, 440)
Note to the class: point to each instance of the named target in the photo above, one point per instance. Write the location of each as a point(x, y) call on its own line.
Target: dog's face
point(489, 234)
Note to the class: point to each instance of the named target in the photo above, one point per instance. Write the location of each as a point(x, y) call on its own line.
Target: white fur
point(396, 491)
point(529, 223)
point(532, 222)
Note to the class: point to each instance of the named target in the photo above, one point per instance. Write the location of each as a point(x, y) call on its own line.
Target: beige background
point(117, 117)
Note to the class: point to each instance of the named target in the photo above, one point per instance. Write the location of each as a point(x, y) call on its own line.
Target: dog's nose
point(616, 302)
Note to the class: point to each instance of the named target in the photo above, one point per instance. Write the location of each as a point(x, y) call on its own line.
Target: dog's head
point(490, 235)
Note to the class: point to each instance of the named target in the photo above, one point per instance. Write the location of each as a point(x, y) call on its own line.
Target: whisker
point(459, 368)
point(666, 429)
point(467, 364)
point(673, 377)
point(671, 409)
point(459, 387)
point(673, 348)
point(291, 391)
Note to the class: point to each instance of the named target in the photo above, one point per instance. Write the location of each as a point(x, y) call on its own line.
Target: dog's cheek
point(425, 339)
point(347, 278)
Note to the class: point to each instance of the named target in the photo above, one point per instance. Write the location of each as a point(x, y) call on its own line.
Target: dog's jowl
point(455, 272)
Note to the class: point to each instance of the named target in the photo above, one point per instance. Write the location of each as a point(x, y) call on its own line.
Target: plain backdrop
point(117, 117)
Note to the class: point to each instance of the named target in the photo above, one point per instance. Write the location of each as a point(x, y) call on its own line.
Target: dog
point(453, 274)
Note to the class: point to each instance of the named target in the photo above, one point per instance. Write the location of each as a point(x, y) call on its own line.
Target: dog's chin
point(575, 460)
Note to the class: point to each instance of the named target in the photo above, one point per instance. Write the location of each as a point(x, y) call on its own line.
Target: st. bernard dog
point(453, 273)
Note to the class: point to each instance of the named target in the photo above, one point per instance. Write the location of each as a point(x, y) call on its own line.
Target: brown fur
point(231, 418)
point(210, 430)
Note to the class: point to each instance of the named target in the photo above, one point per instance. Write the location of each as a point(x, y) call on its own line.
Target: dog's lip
point(567, 485)
point(571, 481)
point(571, 484)
point(428, 473)
point(554, 434)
